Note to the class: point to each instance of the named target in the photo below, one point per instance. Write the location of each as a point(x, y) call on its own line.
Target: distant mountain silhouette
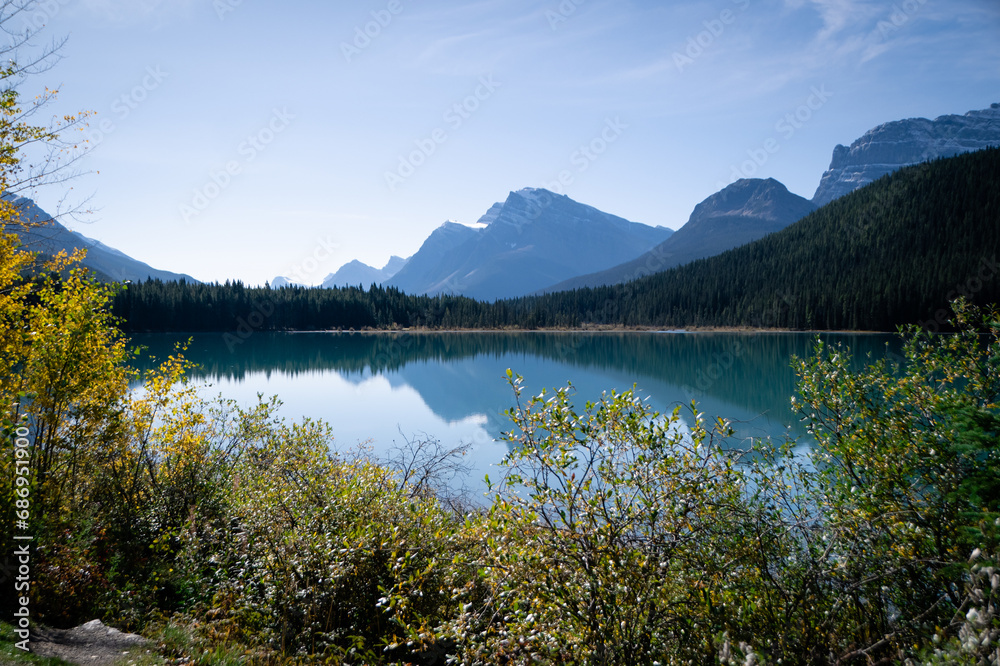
point(49, 237)
point(529, 241)
point(356, 273)
point(743, 212)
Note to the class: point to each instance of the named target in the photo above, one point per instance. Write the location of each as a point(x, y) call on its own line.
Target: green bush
point(609, 540)
point(864, 553)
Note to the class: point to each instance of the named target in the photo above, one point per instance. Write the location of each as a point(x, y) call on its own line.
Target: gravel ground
point(92, 643)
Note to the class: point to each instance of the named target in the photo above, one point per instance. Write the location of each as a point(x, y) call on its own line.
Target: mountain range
point(41, 233)
point(536, 241)
point(894, 252)
point(492, 261)
point(533, 239)
point(355, 273)
point(748, 209)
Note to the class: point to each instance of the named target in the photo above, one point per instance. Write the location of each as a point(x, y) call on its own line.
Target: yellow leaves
point(180, 452)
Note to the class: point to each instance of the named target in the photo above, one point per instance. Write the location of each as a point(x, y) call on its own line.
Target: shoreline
point(588, 330)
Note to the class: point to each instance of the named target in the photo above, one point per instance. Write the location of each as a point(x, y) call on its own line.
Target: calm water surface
point(379, 388)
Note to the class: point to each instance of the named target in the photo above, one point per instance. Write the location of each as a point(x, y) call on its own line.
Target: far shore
point(590, 329)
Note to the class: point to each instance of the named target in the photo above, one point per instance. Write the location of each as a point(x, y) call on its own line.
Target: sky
point(242, 139)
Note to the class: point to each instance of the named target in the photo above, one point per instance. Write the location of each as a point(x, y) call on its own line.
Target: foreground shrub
point(864, 557)
point(324, 556)
point(610, 539)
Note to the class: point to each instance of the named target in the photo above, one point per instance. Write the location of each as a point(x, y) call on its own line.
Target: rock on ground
point(91, 643)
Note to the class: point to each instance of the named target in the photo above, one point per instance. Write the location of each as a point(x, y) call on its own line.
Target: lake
point(381, 388)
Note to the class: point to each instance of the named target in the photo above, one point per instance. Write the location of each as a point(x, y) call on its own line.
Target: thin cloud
point(853, 30)
point(136, 11)
point(649, 70)
point(873, 51)
point(840, 16)
point(508, 32)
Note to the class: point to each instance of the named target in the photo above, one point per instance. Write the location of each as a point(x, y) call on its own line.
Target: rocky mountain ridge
point(529, 241)
point(745, 211)
point(891, 146)
point(41, 233)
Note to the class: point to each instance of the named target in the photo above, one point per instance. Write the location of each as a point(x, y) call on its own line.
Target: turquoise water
point(378, 389)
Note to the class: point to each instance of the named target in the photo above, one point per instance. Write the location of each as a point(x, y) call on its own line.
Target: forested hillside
point(745, 211)
point(894, 252)
point(891, 253)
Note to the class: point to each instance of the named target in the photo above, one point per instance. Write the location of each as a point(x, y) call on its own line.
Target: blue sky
point(244, 139)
